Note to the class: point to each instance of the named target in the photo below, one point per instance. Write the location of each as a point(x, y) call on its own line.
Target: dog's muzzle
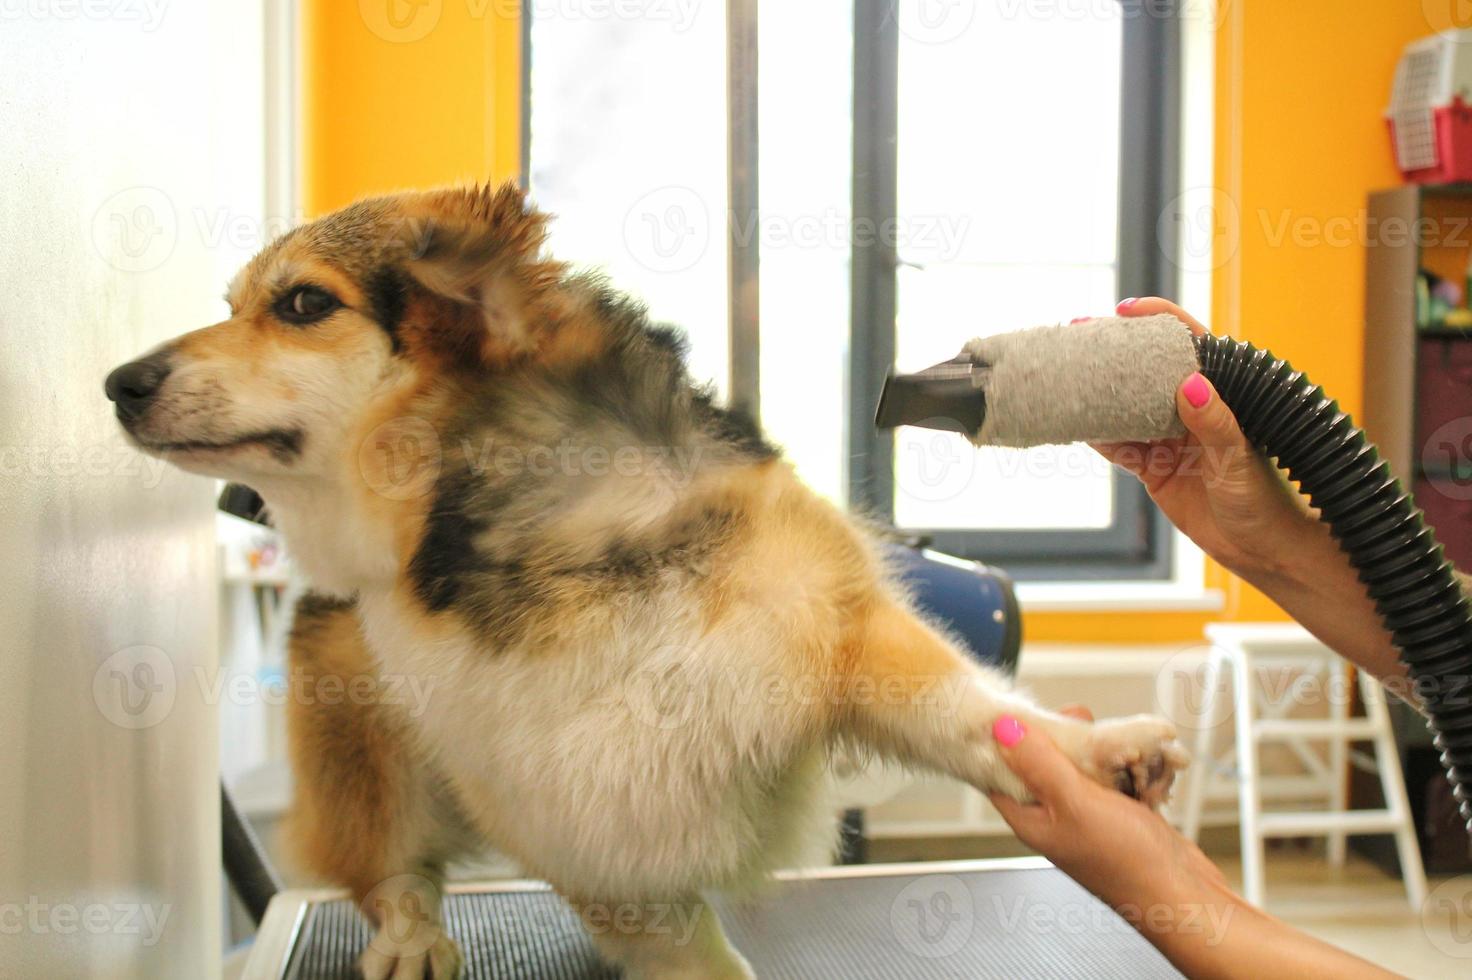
point(132, 386)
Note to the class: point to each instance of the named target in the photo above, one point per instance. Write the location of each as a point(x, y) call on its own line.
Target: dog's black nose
point(133, 385)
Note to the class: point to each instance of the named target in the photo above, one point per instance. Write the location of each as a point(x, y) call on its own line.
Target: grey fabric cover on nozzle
point(1112, 379)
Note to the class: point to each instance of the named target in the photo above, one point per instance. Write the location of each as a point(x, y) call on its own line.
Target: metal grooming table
point(958, 919)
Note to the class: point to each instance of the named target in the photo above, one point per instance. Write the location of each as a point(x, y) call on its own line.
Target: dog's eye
point(306, 304)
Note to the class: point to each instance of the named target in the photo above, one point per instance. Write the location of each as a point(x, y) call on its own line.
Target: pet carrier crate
point(1429, 117)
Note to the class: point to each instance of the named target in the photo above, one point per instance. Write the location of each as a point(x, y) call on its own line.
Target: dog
point(641, 637)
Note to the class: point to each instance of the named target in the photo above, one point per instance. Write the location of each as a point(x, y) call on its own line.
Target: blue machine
point(975, 602)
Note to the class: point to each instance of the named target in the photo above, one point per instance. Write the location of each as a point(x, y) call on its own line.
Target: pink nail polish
point(1079, 319)
point(1008, 731)
point(1196, 390)
point(1125, 304)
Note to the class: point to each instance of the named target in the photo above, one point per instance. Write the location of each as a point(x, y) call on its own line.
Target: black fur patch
point(733, 427)
point(286, 444)
point(447, 553)
point(313, 610)
point(388, 293)
point(488, 553)
point(669, 337)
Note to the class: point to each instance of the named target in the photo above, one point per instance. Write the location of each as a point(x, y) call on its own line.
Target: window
point(927, 173)
point(1041, 229)
point(627, 150)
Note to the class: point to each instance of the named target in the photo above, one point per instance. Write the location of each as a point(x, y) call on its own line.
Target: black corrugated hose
point(1375, 522)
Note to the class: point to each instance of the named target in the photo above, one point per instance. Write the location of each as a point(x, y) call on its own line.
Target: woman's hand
point(1211, 483)
point(1158, 881)
point(1115, 846)
point(1230, 500)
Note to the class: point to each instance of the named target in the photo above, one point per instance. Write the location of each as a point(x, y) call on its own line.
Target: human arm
point(1160, 882)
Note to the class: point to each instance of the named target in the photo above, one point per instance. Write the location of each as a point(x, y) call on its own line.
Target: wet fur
point(636, 674)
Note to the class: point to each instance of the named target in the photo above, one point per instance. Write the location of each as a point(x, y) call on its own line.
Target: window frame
point(1138, 544)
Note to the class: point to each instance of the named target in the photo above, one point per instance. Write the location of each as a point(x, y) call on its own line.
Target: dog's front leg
point(369, 812)
point(912, 696)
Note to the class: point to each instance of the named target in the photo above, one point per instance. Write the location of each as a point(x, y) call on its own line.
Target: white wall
point(130, 171)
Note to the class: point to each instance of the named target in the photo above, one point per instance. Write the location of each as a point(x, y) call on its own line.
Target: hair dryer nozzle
point(947, 396)
point(1106, 379)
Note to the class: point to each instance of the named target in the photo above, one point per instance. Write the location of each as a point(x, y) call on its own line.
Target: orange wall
point(1299, 144)
point(431, 98)
point(1314, 156)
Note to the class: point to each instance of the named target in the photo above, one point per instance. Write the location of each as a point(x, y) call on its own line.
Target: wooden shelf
point(1390, 329)
point(1445, 190)
point(1443, 473)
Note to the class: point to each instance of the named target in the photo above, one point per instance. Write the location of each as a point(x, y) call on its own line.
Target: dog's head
point(336, 322)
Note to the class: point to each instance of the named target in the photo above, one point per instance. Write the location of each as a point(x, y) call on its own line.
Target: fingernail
point(1079, 319)
point(1196, 390)
point(1125, 304)
point(1008, 731)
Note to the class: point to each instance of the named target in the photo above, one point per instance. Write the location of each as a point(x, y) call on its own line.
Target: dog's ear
point(480, 249)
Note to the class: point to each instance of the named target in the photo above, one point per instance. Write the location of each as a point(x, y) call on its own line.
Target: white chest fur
point(621, 762)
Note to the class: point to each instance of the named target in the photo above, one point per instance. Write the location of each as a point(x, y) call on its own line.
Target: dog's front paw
point(1138, 756)
point(427, 953)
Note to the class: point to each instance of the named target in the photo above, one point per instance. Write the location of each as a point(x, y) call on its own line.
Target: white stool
point(1244, 649)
